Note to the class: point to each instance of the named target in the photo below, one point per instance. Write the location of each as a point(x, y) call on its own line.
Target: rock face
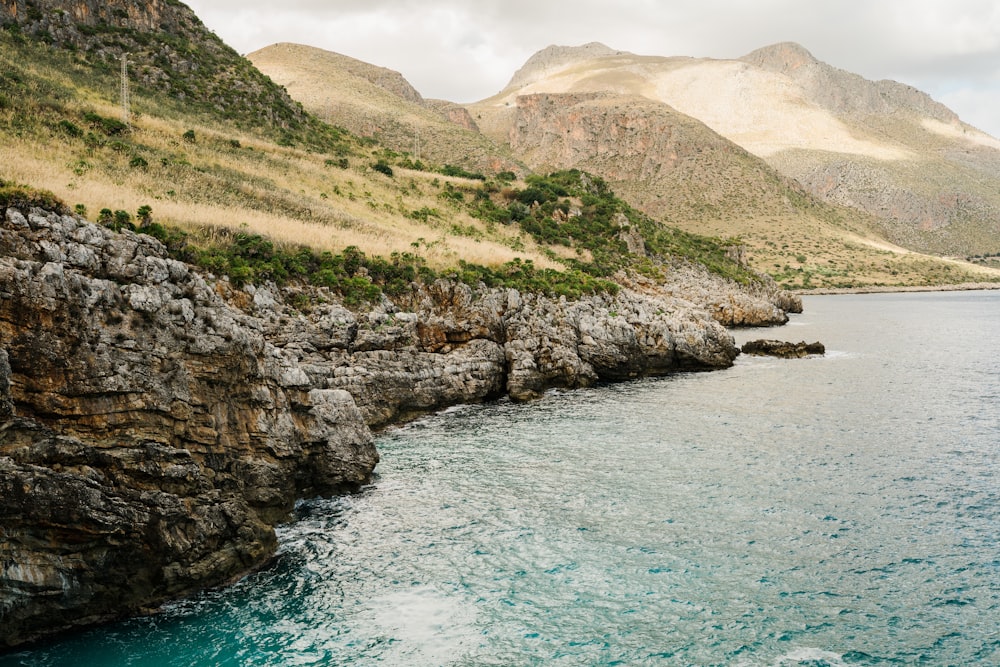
point(844, 92)
point(783, 349)
point(151, 435)
point(155, 424)
point(661, 161)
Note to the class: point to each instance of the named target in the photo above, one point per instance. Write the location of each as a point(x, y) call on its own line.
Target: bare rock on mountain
point(454, 113)
point(553, 58)
point(844, 92)
point(903, 162)
point(662, 161)
point(144, 16)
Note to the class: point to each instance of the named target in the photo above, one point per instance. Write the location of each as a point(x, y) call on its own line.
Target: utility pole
point(126, 116)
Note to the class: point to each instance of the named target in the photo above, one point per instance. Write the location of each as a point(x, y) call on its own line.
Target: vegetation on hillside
point(61, 120)
point(283, 197)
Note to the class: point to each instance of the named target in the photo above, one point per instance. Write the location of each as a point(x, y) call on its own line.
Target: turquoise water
point(842, 510)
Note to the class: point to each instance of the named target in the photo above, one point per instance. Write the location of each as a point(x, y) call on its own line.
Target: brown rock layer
point(152, 435)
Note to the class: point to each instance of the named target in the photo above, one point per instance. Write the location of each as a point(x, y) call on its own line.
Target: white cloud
point(979, 107)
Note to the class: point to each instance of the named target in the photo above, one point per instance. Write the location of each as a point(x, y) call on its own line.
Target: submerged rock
point(783, 349)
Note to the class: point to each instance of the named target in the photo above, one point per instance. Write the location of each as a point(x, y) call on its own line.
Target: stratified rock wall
point(155, 424)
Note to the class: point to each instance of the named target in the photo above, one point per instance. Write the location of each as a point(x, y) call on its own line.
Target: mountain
point(377, 102)
point(214, 146)
point(928, 181)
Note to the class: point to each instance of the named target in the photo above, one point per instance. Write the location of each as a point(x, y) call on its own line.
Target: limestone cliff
point(151, 435)
point(156, 423)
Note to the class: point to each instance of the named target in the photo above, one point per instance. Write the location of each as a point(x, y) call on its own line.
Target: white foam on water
point(421, 626)
point(813, 657)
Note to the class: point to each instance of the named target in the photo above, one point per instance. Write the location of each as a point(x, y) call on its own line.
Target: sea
point(834, 510)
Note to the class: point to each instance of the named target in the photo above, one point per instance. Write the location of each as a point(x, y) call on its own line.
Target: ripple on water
point(817, 512)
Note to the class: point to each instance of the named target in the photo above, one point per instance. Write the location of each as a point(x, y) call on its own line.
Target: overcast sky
point(464, 51)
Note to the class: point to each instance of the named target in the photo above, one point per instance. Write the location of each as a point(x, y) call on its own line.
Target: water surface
point(841, 510)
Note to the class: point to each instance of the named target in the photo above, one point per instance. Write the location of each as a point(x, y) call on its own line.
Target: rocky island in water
point(159, 422)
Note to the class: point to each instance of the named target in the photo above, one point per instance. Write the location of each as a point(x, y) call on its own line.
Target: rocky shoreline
point(156, 423)
point(961, 287)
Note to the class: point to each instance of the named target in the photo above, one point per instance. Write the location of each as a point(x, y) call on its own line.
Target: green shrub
point(109, 126)
point(452, 170)
point(383, 167)
point(70, 128)
point(23, 196)
point(144, 215)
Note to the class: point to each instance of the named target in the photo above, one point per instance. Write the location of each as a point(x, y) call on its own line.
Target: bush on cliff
point(23, 196)
point(577, 210)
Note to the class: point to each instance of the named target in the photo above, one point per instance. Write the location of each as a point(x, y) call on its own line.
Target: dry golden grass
point(804, 252)
point(375, 102)
point(289, 195)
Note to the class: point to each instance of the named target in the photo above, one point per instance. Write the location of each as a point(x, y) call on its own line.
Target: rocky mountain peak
point(555, 57)
point(784, 57)
point(843, 92)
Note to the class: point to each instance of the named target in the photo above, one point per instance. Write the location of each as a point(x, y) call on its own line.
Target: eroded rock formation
point(152, 436)
point(783, 349)
point(156, 423)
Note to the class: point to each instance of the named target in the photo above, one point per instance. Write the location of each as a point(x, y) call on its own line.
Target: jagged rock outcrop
point(156, 423)
point(783, 349)
point(152, 435)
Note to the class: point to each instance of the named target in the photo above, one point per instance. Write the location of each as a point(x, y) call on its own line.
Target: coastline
point(157, 423)
point(888, 289)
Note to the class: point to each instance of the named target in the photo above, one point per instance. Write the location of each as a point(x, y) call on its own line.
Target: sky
point(464, 50)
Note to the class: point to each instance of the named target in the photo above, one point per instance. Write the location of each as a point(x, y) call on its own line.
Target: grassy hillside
point(379, 103)
point(310, 202)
